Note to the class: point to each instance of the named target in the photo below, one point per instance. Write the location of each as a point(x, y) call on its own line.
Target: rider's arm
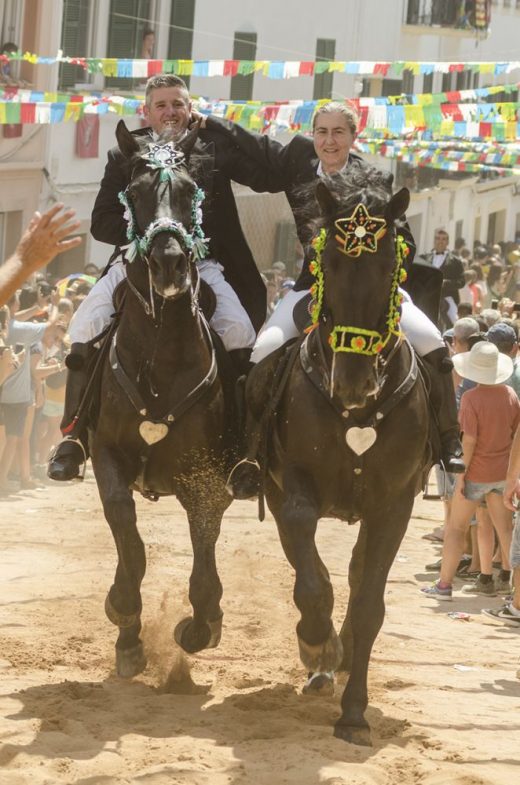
point(247, 157)
point(108, 223)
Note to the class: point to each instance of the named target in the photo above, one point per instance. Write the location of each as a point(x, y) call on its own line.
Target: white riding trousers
point(230, 320)
point(420, 331)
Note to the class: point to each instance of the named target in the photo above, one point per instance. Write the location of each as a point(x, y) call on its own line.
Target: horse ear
point(128, 144)
point(398, 205)
point(326, 200)
point(187, 142)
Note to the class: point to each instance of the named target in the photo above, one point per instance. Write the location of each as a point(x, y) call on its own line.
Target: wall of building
point(363, 29)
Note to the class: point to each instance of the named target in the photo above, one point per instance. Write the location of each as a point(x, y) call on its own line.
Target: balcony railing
point(454, 14)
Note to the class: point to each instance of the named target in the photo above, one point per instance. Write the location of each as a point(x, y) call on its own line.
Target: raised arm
point(44, 238)
point(247, 157)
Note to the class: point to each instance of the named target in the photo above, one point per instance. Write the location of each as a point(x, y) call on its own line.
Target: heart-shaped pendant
point(360, 439)
point(153, 432)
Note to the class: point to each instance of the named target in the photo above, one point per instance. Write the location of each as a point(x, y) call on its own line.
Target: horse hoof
point(319, 684)
point(130, 662)
point(194, 637)
point(354, 734)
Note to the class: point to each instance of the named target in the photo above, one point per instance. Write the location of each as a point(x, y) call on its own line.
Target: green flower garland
point(362, 341)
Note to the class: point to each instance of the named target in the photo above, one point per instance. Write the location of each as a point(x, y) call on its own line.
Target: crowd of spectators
point(278, 283)
point(481, 546)
point(33, 347)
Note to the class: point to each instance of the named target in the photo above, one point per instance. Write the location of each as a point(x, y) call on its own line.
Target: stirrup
point(244, 461)
point(52, 456)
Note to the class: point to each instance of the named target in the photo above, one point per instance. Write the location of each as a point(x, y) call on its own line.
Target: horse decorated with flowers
point(349, 434)
point(163, 425)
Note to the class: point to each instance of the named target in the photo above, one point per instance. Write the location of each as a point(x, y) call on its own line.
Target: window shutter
point(325, 50)
point(180, 40)
point(244, 48)
point(74, 37)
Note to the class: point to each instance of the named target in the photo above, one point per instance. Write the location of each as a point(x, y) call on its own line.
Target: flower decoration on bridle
point(164, 157)
point(194, 242)
point(359, 340)
point(359, 232)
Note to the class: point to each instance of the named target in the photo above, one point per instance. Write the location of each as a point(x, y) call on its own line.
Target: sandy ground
point(65, 717)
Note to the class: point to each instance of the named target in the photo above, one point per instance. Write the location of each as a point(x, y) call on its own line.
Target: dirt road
point(444, 694)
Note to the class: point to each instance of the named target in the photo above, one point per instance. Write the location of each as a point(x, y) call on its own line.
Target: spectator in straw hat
point(489, 416)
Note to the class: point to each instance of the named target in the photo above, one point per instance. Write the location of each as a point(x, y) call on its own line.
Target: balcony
point(463, 15)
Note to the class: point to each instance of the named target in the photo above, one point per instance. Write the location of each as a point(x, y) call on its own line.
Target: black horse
point(162, 426)
point(349, 438)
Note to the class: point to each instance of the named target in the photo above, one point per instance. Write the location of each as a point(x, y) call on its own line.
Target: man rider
point(230, 269)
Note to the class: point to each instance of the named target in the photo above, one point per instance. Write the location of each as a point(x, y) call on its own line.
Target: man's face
point(332, 140)
point(169, 109)
point(440, 242)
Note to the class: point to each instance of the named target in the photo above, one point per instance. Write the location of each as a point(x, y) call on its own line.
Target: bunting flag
point(473, 121)
point(273, 69)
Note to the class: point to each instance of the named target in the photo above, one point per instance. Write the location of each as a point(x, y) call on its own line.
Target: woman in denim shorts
point(489, 416)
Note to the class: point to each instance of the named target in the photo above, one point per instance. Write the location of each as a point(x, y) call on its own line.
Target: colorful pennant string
point(137, 69)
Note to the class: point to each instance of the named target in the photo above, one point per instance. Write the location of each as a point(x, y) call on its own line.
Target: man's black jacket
point(215, 160)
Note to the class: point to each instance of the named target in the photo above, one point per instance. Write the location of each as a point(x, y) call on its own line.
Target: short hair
point(333, 107)
point(9, 48)
point(463, 328)
point(441, 230)
point(163, 80)
point(148, 31)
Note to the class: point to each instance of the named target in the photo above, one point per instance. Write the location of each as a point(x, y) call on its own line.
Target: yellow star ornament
point(360, 232)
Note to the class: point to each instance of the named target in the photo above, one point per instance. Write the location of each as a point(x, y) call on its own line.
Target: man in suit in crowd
point(452, 270)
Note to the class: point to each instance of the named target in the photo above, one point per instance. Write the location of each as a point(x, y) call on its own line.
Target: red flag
point(87, 136)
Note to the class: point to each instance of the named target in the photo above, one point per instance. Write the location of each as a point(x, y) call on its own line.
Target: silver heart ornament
point(360, 439)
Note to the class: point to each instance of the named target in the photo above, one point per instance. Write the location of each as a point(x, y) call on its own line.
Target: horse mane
point(356, 184)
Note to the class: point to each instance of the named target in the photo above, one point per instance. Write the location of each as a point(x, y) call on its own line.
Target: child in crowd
point(489, 416)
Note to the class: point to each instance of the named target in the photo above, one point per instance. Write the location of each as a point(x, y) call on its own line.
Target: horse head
point(163, 212)
point(358, 270)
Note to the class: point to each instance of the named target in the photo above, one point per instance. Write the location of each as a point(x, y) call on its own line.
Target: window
point(428, 83)
point(74, 37)
point(325, 50)
point(180, 41)
point(127, 23)
point(408, 81)
point(391, 87)
point(244, 48)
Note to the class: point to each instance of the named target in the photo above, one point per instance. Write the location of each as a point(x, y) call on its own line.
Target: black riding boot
point(244, 479)
point(442, 399)
point(72, 452)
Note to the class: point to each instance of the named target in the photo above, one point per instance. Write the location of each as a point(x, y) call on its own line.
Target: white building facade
point(42, 164)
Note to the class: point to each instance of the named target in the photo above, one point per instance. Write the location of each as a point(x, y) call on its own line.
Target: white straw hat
point(483, 364)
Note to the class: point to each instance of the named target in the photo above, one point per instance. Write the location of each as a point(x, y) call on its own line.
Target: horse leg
point(367, 614)
point(319, 646)
point(123, 604)
point(203, 629)
point(355, 574)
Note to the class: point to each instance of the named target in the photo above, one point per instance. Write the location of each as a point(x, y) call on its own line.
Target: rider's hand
point(197, 117)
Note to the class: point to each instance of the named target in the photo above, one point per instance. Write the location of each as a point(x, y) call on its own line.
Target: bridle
point(194, 243)
point(358, 233)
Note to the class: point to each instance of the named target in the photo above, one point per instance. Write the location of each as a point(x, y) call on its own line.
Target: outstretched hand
point(45, 237)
